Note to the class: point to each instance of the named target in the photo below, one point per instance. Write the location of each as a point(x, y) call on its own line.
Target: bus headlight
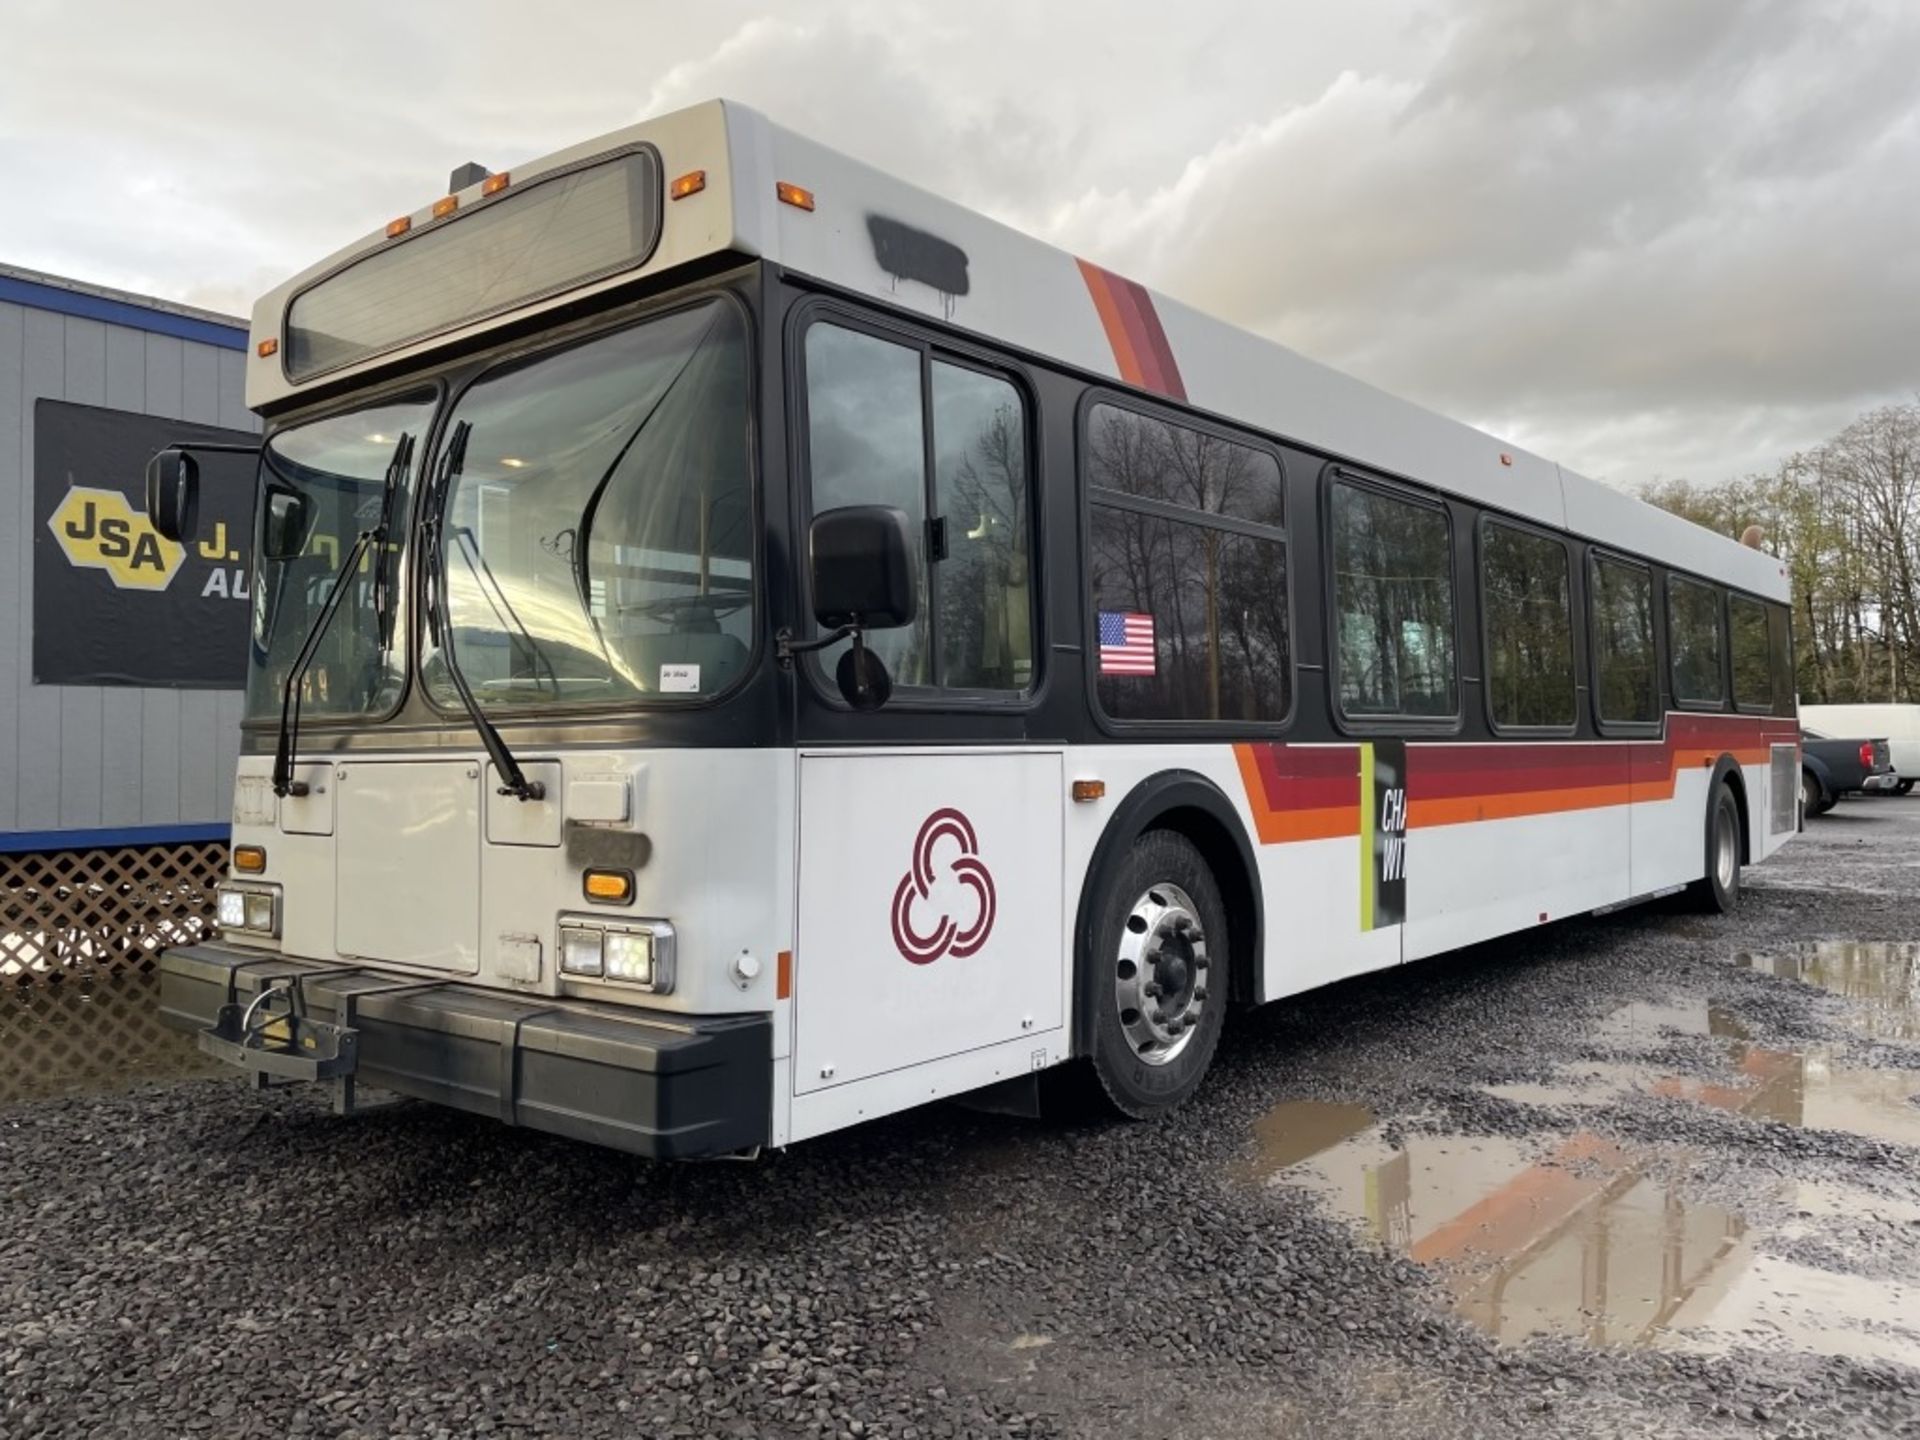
point(581, 951)
point(639, 953)
point(249, 909)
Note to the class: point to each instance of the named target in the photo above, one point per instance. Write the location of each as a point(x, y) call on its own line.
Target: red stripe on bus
point(1139, 342)
point(1169, 380)
point(1313, 791)
point(1108, 310)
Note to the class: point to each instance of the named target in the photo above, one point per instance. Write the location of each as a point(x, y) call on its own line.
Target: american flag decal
point(1126, 643)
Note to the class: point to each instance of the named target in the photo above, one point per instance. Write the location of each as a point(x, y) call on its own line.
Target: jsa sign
point(114, 603)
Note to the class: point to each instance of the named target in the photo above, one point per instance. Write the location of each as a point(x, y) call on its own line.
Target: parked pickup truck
point(1899, 723)
point(1830, 768)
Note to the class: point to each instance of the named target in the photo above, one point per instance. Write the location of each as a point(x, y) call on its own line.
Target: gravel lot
point(1406, 1206)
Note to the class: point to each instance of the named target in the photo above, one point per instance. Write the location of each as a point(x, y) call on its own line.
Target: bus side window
point(1393, 599)
point(877, 411)
point(1526, 591)
point(866, 445)
point(981, 498)
point(1694, 642)
point(1627, 690)
point(1187, 562)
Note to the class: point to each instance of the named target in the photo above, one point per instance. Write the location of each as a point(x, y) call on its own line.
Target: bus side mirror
point(173, 493)
point(860, 562)
point(860, 559)
point(283, 525)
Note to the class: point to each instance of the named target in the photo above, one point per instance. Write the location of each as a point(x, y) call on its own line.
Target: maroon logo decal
point(943, 831)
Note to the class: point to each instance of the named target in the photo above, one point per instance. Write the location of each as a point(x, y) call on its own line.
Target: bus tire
point(1719, 890)
point(1156, 979)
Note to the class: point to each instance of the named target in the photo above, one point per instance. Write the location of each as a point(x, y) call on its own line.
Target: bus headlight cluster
point(640, 953)
point(249, 909)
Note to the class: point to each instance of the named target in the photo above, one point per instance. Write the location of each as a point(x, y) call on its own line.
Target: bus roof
point(872, 234)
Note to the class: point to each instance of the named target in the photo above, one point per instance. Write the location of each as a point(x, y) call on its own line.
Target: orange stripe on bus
point(1106, 303)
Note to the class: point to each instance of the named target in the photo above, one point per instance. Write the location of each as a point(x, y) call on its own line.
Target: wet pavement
point(1650, 1174)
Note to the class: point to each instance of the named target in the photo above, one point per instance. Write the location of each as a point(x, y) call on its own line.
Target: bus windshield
point(324, 480)
point(598, 539)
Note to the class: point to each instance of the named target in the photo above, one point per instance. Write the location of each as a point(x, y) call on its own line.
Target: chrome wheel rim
point(1160, 974)
point(1726, 857)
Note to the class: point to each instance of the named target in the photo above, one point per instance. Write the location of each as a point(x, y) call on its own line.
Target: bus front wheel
point(1719, 891)
point(1155, 982)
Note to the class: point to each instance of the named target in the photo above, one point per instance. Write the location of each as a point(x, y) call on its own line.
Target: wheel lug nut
point(1200, 994)
point(1153, 990)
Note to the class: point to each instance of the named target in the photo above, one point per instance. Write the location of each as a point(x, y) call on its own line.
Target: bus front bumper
point(643, 1081)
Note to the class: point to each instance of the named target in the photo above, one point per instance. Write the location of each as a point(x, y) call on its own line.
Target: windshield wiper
point(288, 739)
point(440, 618)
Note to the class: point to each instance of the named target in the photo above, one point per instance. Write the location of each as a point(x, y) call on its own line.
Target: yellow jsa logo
point(98, 529)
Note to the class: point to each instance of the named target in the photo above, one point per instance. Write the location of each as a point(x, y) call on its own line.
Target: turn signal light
point(397, 228)
point(250, 859)
point(494, 184)
point(445, 206)
point(608, 887)
point(795, 195)
point(691, 183)
point(266, 348)
point(1085, 791)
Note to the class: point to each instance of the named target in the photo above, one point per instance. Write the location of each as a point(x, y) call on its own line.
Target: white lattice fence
point(103, 911)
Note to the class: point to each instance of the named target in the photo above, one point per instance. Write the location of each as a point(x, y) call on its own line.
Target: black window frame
point(1090, 495)
point(932, 344)
point(1486, 521)
point(1338, 474)
point(1596, 554)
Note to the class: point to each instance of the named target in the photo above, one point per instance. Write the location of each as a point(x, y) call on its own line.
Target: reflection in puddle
point(88, 1035)
point(1583, 1236)
point(1883, 978)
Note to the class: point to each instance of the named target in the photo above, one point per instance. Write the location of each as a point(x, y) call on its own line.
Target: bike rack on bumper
point(645, 1081)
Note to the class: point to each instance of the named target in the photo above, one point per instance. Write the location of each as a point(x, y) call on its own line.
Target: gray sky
point(1644, 237)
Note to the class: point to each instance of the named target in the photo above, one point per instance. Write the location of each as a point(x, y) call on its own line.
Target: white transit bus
point(742, 646)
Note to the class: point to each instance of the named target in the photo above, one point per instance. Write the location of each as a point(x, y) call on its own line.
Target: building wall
point(91, 758)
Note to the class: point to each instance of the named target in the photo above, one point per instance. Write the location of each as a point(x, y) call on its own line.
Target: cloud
point(1612, 222)
point(1643, 237)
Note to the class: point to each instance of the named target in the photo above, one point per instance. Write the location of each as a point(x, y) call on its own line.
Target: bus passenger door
point(931, 918)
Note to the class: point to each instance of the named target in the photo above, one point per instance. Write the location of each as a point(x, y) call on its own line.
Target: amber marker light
point(494, 184)
point(445, 206)
point(1087, 791)
point(607, 887)
point(1506, 460)
point(266, 348)
point(250, 859)
point(797, 196)
point(397, 228)
point(691, 183)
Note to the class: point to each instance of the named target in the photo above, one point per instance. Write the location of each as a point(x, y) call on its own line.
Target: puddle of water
point(1577, 1237)
point(86, 1035)
point(1580, 1236)
point(1883, 979)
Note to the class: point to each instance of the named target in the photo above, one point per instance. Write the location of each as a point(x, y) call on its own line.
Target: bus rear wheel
point(1719, 891)
point(1155, 982)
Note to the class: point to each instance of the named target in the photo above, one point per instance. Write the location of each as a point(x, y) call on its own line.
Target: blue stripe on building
point(120, 312)
point(14, 842)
